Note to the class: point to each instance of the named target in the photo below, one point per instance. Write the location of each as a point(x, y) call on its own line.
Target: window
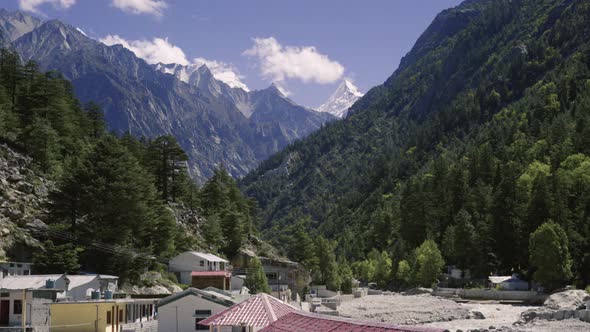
point(120, 315)
point(202, 263)
point(109, 320)
point(17, 307)
point(202, 313)
point(4, 294)
point(199, 327)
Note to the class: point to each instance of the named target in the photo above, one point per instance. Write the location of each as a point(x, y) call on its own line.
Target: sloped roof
point(37, 281)
point(217, 298)
point(309, 322)
point(258, 311)
point(208, 257)
point(27, 281)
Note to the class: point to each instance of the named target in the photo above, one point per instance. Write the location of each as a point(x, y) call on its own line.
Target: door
point(4, 312)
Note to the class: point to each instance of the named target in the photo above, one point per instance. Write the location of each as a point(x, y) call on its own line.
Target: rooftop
point(211, 274)
point(37, 281)
point(208, 257)
point(208, 295)
point(309, 322)
point(258, 311)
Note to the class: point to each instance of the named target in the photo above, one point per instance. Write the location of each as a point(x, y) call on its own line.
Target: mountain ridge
point(210, 120)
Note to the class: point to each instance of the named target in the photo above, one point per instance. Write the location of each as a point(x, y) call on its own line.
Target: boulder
point(567, 300)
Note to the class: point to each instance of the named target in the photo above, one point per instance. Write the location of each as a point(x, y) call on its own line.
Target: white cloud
point(161, 50)
point(224, 72)
point(152, 51)
point(278, 62)
point(153, 7)
point(32, 5)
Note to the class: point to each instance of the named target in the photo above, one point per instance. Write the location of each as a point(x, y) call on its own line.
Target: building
point(24, 298)
point(201, 270)
point(512, 282)
point(14, 269)
point(184, 311)
point(281, 273)
point(253, 314)
point(72, 287)
point(303, 321)
point(112, 315)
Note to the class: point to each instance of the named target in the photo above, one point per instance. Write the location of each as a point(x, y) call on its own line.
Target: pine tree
point(549, 255)
point(256, 280)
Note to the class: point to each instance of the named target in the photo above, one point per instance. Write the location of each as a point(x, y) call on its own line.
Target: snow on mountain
point(341, 100)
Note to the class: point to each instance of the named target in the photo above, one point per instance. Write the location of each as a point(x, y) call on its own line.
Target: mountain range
point(475, 141)
point(218, 126)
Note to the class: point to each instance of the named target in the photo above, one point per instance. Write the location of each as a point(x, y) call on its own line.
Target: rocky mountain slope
point(211, 120)
point(341, 100)
point(23, 195)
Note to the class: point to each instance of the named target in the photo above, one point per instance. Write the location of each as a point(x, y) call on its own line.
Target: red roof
point(258, 311)
point(211, 274)
point(308, 322)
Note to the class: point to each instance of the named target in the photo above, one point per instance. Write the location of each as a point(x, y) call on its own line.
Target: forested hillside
point(120, 204)
point(477, 139)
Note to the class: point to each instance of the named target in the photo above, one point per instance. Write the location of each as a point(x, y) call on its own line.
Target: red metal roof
point(308, 322)
point(258, 311)
point(211, 274)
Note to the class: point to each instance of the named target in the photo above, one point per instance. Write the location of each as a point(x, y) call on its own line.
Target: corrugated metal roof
point(38, 281)
point(26, 282)
point(208, 257)
point(499, 279)
point(308, 322)
point(258, 311)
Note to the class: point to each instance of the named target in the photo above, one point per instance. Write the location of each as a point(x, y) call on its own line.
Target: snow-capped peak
point(340, 101)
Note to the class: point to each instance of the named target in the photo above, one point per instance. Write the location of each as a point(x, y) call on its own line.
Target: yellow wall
point(82, 316)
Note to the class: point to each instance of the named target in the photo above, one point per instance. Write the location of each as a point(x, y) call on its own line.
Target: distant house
point(184, 311)
point(257, 312)
point(512, 282)
point(110, 315)
point(304, 321)
point(201, 270)
point(14, 269)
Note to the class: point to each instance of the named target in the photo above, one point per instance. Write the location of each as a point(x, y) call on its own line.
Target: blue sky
point(307, 46)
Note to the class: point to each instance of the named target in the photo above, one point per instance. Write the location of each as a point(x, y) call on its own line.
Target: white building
point(201, 270)
point(14, 269)
point(183, 311)
point(512, 282)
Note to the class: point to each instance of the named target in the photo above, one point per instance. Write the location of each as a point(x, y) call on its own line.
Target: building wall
point(14, 269)
point(189, 262)
point(92, 316)
point(181, 313)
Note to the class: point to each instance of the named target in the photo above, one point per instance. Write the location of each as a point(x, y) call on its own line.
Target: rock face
point(23, 195)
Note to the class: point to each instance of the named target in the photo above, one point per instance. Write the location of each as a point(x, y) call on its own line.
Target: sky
point(307, 47)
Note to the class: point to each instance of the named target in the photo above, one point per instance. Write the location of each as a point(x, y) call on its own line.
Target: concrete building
point(184, 311)
point(133, 315)
point(14, 269)
point(201, 270)
point(72, 287)
point(282, 274)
